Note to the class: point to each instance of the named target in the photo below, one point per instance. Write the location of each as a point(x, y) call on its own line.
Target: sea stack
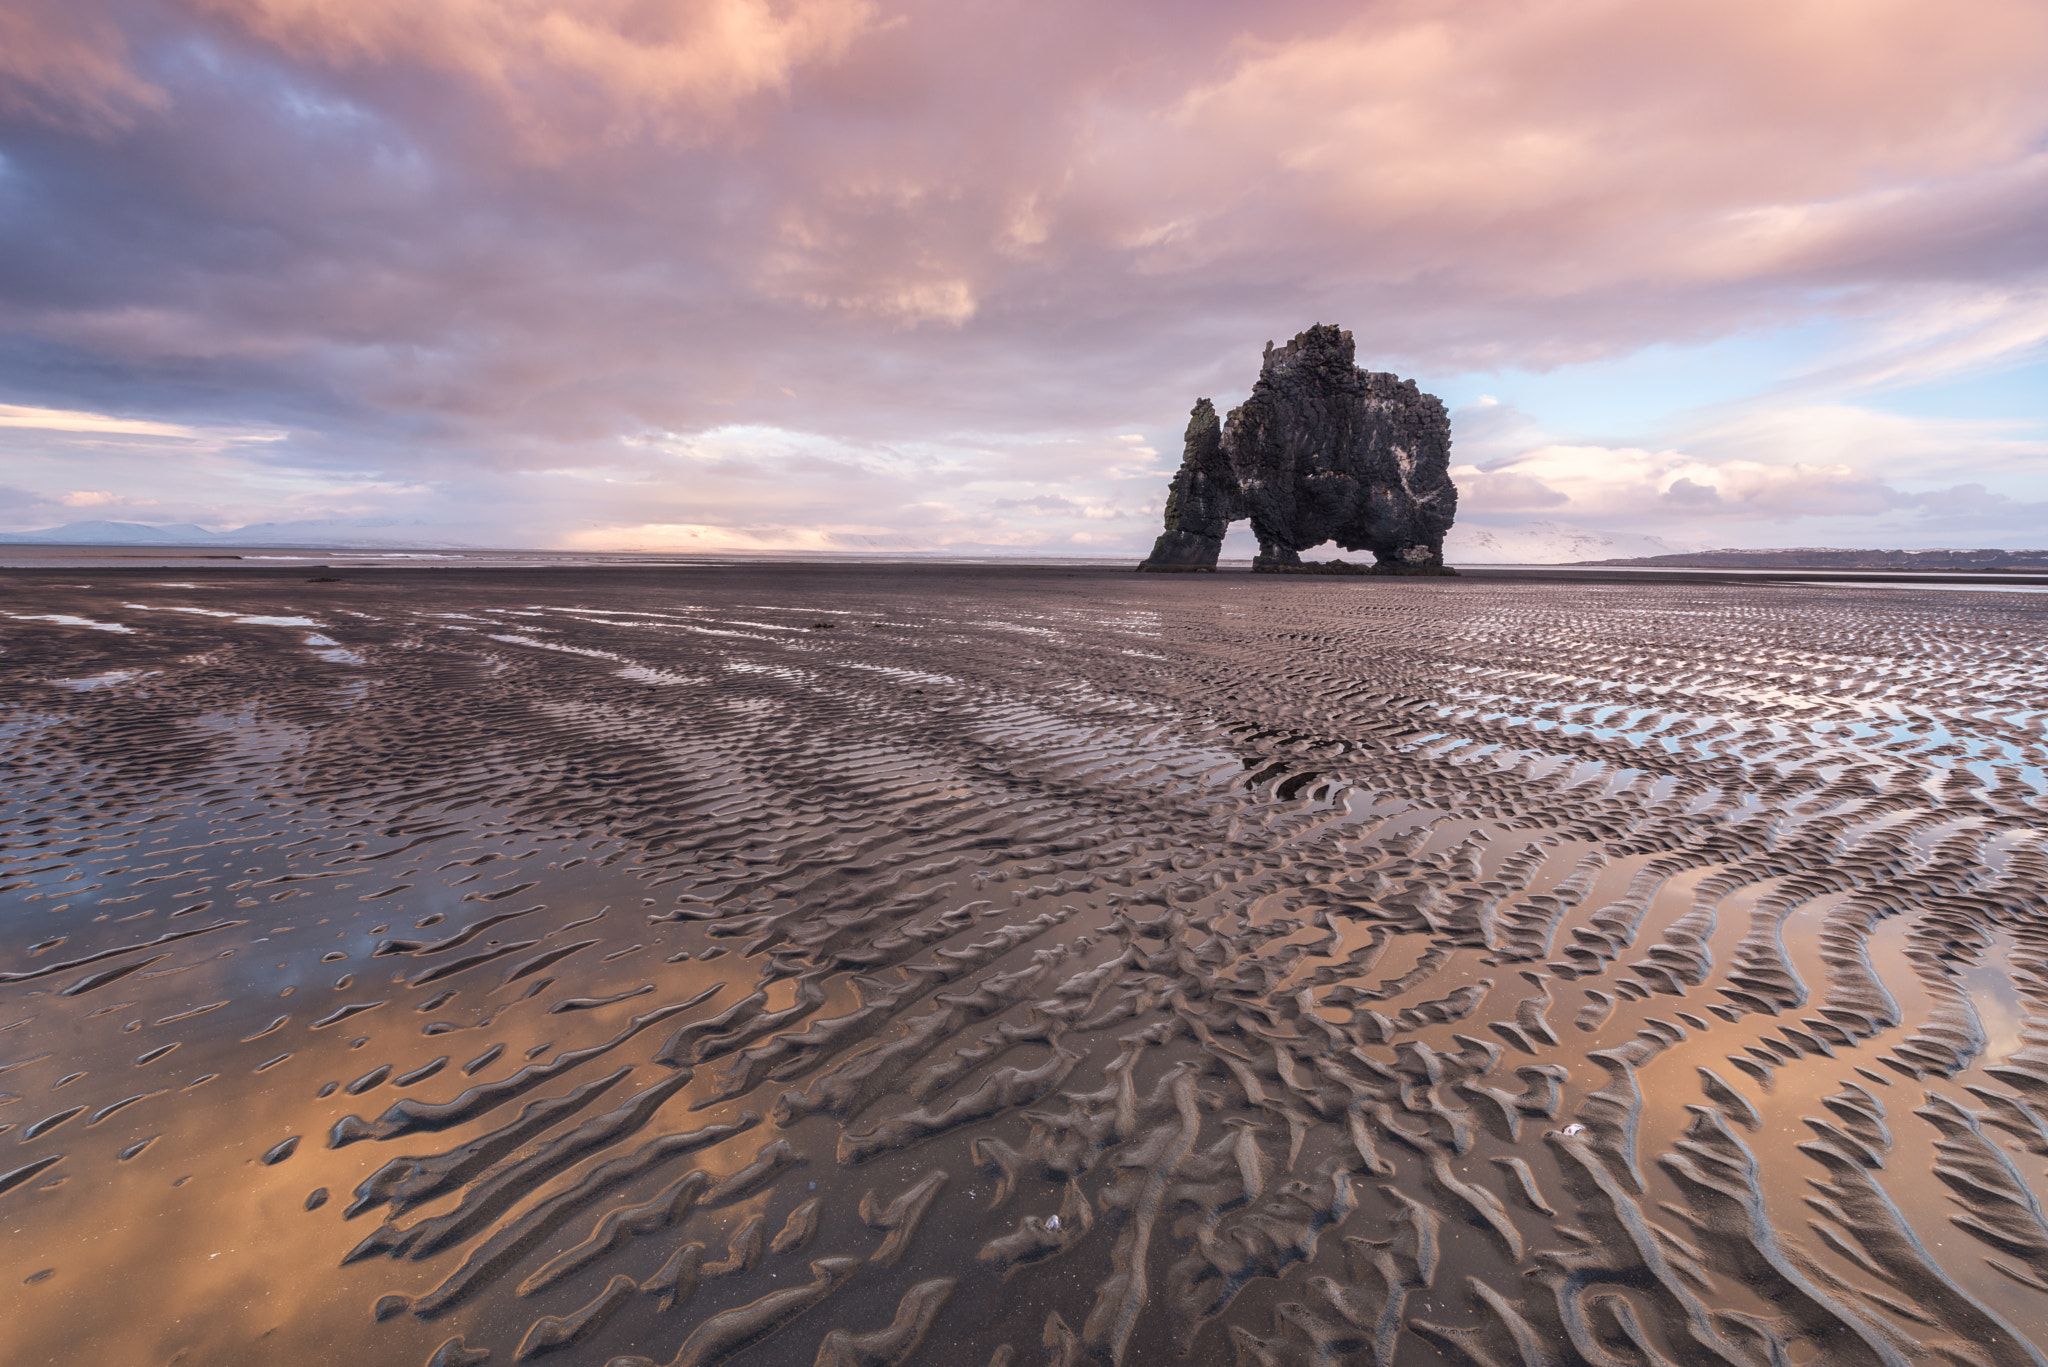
point(1321, 451)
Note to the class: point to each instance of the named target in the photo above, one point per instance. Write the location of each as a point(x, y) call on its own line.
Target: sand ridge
point(918, 965)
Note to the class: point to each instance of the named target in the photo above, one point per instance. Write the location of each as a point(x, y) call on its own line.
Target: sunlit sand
point(981, 965)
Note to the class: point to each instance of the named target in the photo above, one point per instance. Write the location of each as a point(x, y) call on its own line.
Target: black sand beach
point(982, 965)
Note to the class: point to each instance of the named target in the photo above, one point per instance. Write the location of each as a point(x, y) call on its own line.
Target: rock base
point(1263, 566)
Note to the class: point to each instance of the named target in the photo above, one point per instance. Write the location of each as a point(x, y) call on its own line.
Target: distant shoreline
point(1982, 561)
point(241, 562)
point(1792, 560)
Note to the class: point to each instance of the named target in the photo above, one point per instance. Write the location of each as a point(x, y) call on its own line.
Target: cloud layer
point(844, 272)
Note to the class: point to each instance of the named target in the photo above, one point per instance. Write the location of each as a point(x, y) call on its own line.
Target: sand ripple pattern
point(877, 966)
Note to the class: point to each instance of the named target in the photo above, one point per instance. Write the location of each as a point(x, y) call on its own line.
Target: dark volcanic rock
point(1203, 501)
point(1321, 451)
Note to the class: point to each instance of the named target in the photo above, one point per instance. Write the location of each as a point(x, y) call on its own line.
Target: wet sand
point(874, 965)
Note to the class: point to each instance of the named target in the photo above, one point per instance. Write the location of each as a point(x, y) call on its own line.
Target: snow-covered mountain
point(113, 534)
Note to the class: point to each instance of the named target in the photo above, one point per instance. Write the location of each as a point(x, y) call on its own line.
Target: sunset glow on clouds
point(854, 274)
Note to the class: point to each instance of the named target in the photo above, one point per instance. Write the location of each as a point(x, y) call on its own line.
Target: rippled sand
point(886, 966)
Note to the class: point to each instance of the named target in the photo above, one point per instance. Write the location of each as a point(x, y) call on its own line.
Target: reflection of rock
point(1321, 451)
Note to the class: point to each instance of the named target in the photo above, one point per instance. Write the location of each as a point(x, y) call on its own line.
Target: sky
point(947, 275)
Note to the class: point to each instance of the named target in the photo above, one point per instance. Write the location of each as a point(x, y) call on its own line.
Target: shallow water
point(978, 965)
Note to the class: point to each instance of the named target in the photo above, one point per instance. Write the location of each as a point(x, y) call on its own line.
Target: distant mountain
point(1542, 543)
point(1828, 558)
point(112, 534)
point(312, 533)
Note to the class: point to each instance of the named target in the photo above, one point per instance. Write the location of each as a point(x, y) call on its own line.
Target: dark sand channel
point(862, 966)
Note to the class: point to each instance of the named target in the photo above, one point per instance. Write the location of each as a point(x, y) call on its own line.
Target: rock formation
point(1321, 451)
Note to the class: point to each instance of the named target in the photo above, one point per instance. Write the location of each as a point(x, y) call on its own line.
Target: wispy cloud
point(1776, 476)
point(65, 420)
point(546, 267)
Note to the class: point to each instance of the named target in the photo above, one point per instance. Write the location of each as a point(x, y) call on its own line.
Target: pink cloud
point(62, 63)
point(474, 243)
point(566, 76)
point(1479, 181)
point(1827, 475)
